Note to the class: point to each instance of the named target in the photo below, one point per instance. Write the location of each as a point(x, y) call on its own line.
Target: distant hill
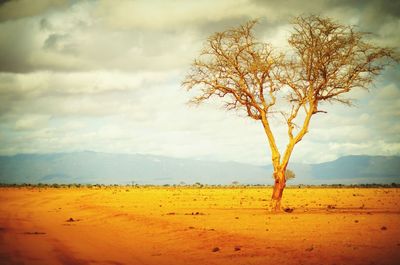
point(103, 168)
point(378, 169)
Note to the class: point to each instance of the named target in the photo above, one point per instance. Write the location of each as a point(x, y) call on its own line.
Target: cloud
point(10, 10)
point(31, 122)
point(76, 41)
point(76, 94)
point(171, 15)
point(163, 35)
point(147, 113)
point(385, 112)
point(381, 18)
point(96, 75)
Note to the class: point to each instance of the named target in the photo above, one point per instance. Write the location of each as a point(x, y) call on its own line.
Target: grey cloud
point(294, 7)
point(10, 10)
point(61, 43)
point(15, 46)
point(45, 24)
point(378, 17)
point(387, 7)
point(25, 48)
point(87, 42)
point(82, 48)
point(53, 41)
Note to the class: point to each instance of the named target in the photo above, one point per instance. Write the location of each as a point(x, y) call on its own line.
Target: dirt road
point(198, 226)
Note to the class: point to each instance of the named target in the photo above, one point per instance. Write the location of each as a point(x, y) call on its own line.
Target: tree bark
point(277, 192)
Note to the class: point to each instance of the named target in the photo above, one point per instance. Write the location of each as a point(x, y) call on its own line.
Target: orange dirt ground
point(198, 226)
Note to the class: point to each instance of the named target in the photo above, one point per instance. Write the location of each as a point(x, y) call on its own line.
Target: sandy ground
point(198, 226)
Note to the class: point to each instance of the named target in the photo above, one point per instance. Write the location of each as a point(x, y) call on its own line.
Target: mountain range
point(105, 168)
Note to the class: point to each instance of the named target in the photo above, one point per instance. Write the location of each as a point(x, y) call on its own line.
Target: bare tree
point(327, 60)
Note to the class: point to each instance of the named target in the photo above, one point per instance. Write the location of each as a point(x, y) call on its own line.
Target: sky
point(106, 76)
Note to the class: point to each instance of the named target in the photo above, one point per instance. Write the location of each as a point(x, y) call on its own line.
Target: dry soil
point(198, 226)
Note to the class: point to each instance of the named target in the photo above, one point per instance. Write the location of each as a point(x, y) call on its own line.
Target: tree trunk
point(280, 183)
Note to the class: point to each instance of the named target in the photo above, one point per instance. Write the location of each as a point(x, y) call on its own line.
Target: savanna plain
point(187, 225)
